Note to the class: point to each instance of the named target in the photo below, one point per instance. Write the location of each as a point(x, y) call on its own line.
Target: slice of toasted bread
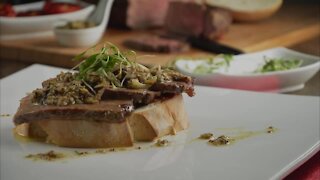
point(248, 10)
point(159, 119)
point(145, 124)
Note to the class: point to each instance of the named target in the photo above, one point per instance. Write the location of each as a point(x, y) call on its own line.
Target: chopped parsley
point(278, 64)
point(211, 65)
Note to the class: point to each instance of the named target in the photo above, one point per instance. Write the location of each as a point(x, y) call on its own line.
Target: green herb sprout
point(278, 64)
point(109, 62)
point(212, 64)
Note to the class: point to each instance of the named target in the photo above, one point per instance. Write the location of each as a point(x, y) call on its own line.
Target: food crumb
point(49, 156)
point(81, 153)
point(101, 151)
point(139, 147)
point(206, 136)
point(162, 143)
point(270, 129)
point(5, 115)
point(221, 140)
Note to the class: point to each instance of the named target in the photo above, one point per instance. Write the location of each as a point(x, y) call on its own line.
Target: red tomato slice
point(7, 10)
point(57, 8)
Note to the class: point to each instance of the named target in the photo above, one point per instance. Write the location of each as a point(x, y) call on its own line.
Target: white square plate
point(267, 156)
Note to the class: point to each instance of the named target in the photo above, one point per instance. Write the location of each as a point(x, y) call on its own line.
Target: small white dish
point(88, 36)
point(37, 26)
point(240, 74)
point(79, 37)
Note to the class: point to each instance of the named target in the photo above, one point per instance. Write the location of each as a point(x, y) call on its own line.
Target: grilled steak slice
point(192, 19)
point(179, 83)
point(152, 43)
point(138, 96)
point(178, 77)
point(185, 18)
point(109, 111)
point(173, 88)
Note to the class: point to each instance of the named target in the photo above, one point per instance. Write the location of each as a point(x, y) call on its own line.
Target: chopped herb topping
point(206, 136)
point(221, 140)
point(213, 64)
point(222, 63)
point(270, 129)
point(49, 156)
point(5, 115)
point(107, 68)
point(162, 143)
point(81, 153)
point(65, 89)
point(278, 64)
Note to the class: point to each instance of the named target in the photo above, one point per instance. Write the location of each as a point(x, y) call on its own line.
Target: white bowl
point(79, 37)
point(29, 27)
point(239, 74)
point(88, 36)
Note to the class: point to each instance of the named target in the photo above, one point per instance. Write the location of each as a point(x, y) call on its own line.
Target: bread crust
point(145, 124)
point(248, 15)
point(255, 15)
point(159, 119)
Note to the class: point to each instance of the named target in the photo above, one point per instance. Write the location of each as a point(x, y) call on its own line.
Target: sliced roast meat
point(110, 111)
point(143, 14)
point(192, 19)
point(138, 96)
point(178, 77)
point(185, 18)
point(153, 43)
point(173, 88)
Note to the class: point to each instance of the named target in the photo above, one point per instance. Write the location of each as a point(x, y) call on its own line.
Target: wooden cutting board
point(291, 25)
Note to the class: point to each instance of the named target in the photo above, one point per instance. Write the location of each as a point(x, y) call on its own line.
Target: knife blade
point(201, 43)
point(212, 46)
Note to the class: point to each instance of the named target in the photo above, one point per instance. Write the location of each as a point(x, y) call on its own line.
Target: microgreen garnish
point(109, 62)
point(109, 68)
point(228, 58)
